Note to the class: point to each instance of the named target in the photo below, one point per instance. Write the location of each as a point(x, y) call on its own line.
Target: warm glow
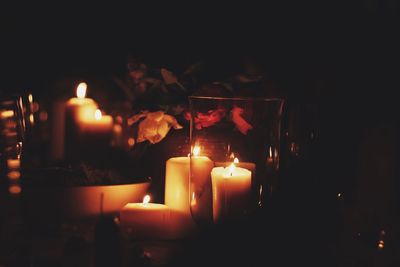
point(196, 151)
point(30, 98)
point(97, 114)
point(117, 128)
point(81, 90)
point(7, 114)
point(13, 175)
point(270, 152)
point(193, 202)
point(381, 244)
point(131, 141)
point(119, 119)
point(260, 192)
point(13, 163)
point(43, 116)
point(14, 189)
point(146, 199)
point(231, 168)
point(31, 119)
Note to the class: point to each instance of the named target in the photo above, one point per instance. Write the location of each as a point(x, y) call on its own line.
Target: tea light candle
point(231, 188)
point(146, 220)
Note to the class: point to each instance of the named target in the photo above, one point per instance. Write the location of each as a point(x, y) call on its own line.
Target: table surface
point(279, 235)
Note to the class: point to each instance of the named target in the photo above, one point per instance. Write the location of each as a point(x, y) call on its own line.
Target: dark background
point(339, 63)
point(336, 64)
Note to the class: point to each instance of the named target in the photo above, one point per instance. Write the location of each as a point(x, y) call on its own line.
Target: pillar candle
point(96, 124)
point(177, 184)
point(77, 109)
point(146, 220)
point(80, 107)
point(246, 165)
point(57, 121)
point(231, 187)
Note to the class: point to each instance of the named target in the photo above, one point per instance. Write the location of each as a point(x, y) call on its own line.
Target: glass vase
point(235, 152)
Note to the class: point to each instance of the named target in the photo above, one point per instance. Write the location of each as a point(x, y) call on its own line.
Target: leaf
point(169, 77)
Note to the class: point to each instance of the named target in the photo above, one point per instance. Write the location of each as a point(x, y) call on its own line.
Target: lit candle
point(246, 165)
point(77, 109)
point(96, 124)
point(177, 183)
point(80, 107)
point(146, 220)
point(231, 188)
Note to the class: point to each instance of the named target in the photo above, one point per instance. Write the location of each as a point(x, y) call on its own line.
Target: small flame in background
point(146, 199)
point(30, 98)
point(81, 90)
point(97, 114)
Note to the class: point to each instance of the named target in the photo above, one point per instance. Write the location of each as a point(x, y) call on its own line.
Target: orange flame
point(97, 115)
point(146, 199)
point(196, 151)
point(81, 90)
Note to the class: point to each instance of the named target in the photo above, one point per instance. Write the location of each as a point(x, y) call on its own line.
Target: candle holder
point(224, 129)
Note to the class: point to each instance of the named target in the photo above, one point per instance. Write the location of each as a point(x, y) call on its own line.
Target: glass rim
point(267, 99)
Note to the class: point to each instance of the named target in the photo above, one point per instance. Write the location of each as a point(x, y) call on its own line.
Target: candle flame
point(81, 90)
point(194, 201)
point(270, 152)
point(97, 114)
point(146, 199)
point(31, 119)
point(231, 169)
point(196, 151)
point(381, 244)
point(30, 98)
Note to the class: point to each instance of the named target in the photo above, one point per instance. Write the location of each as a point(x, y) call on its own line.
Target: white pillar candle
point(245, 165)
point(146, 220)
point(231, 187)
point(77, 109)
point(177, 184)
point(96, 124)
point(80, 107)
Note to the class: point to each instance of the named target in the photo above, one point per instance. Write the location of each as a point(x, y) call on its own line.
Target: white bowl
point(81, 201)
